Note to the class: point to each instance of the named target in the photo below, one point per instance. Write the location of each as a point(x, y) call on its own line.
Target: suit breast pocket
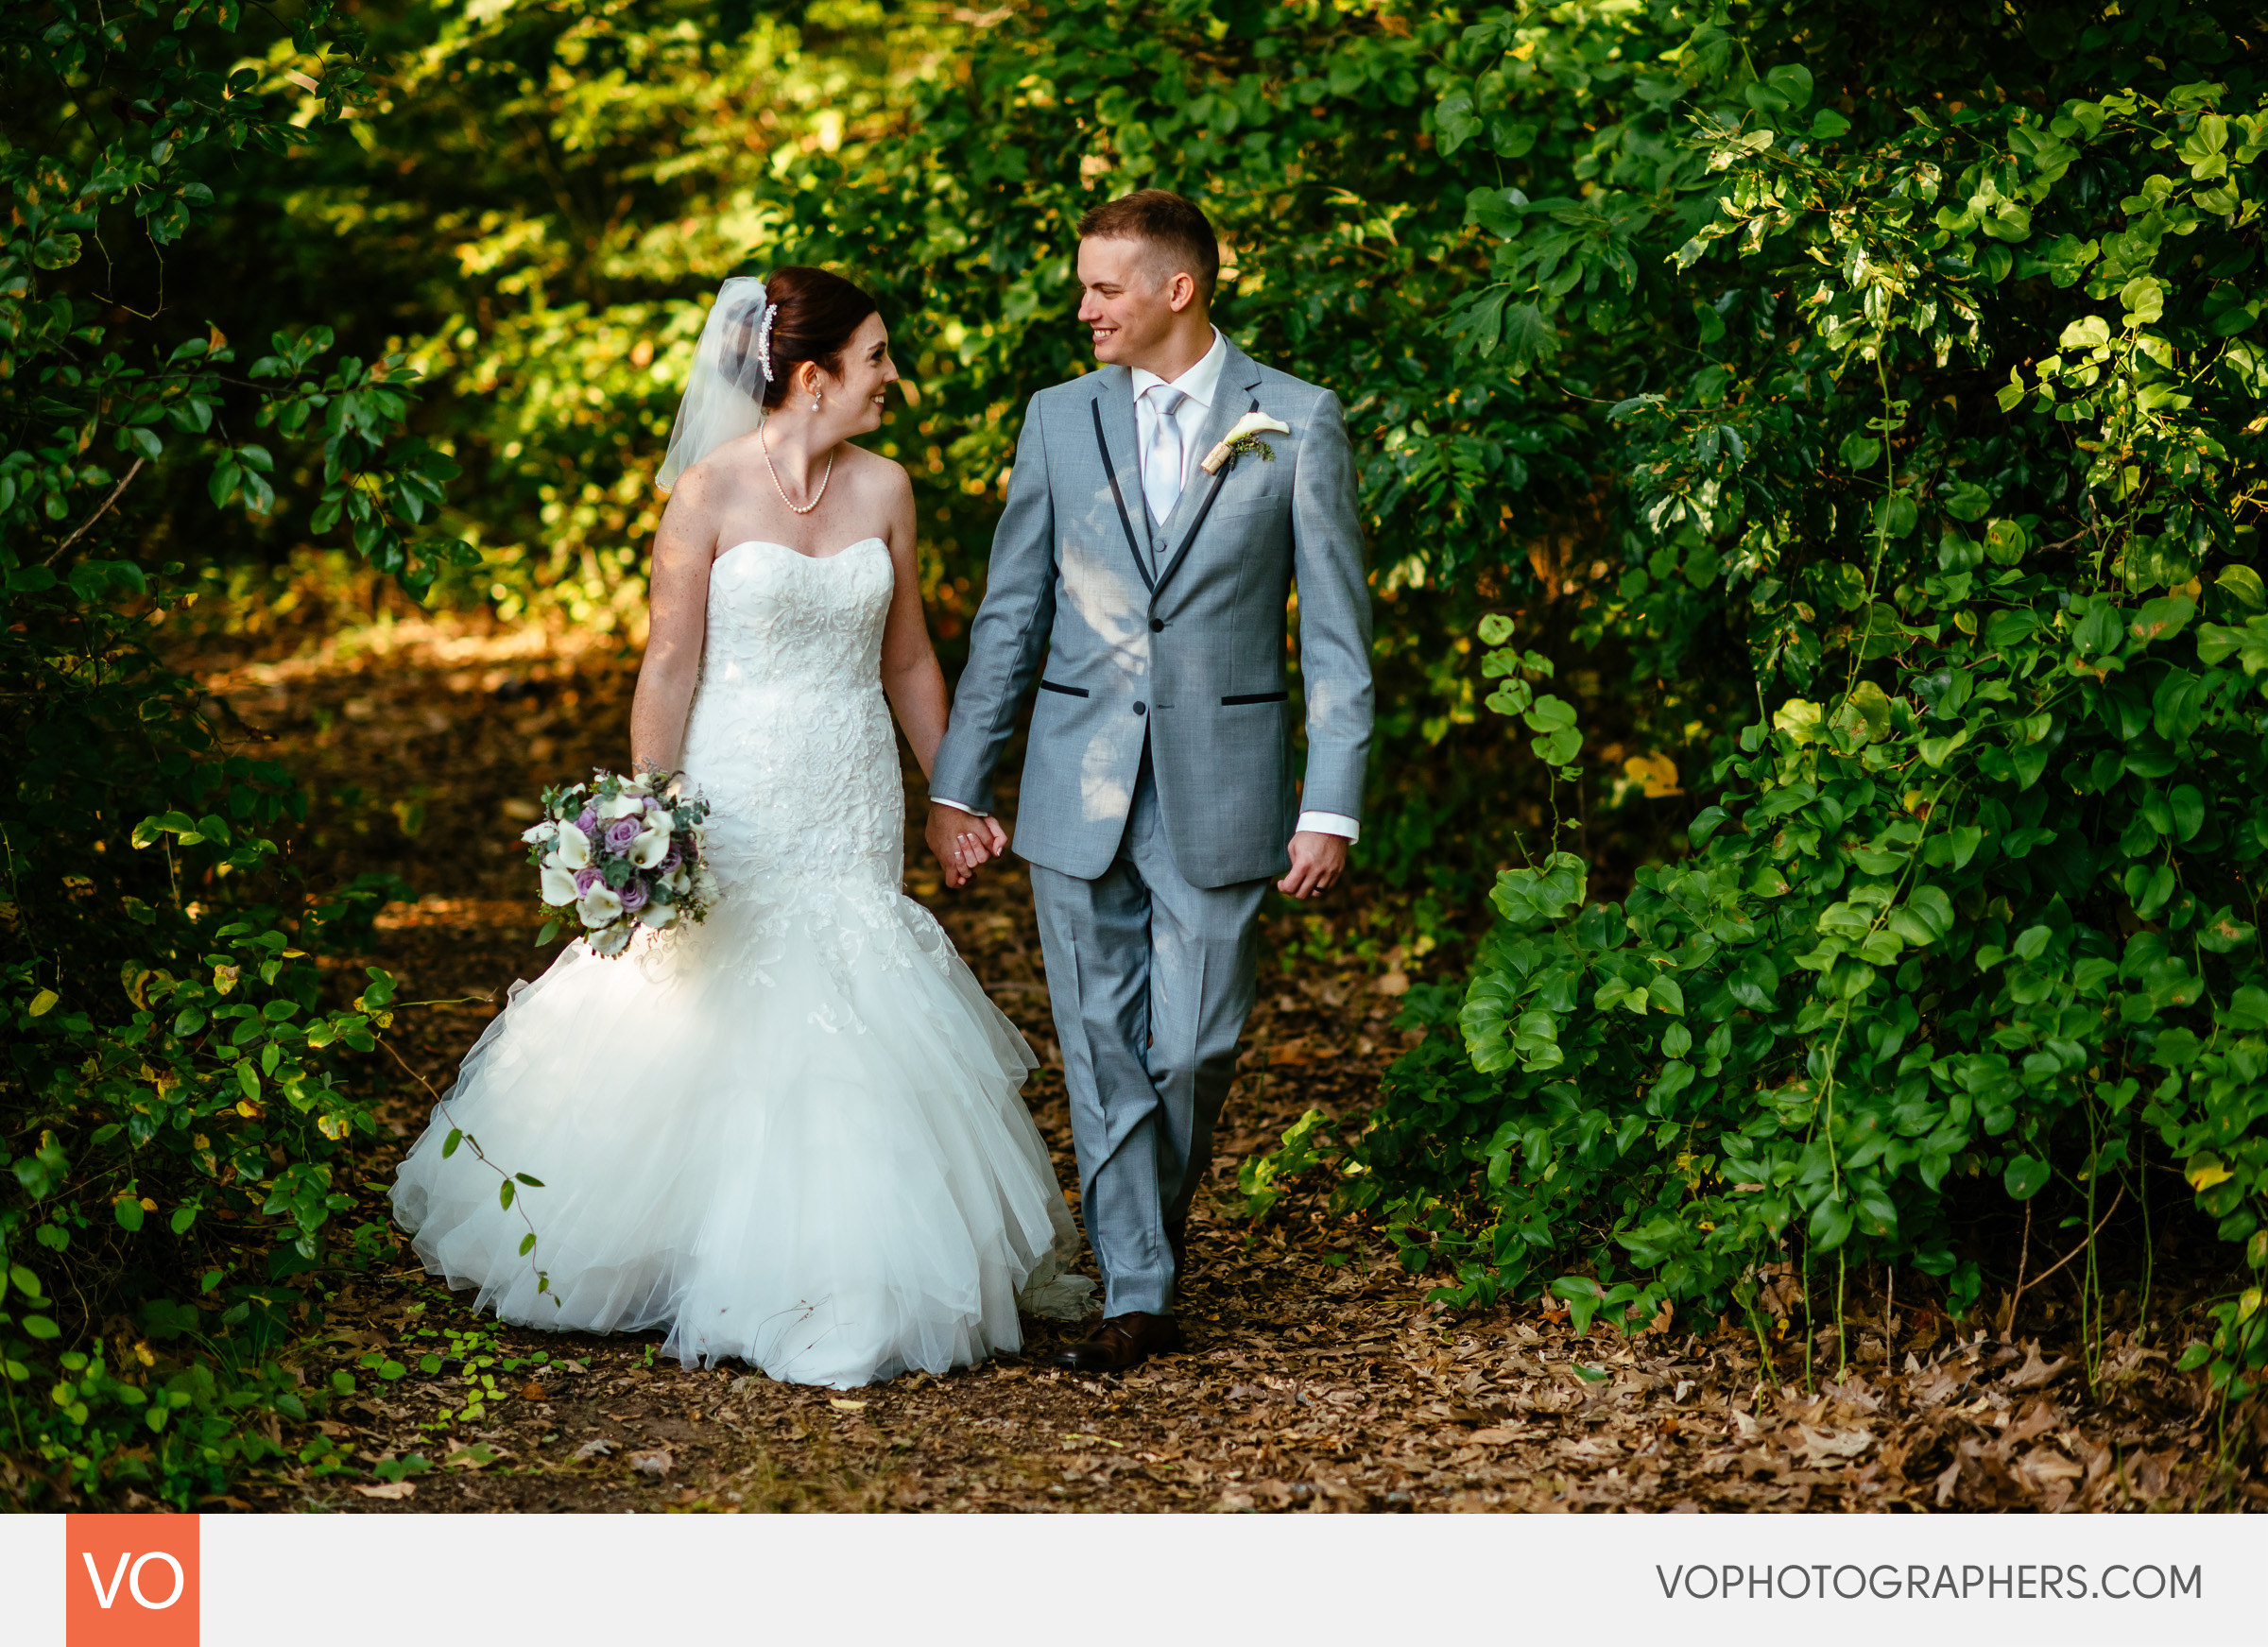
point(1252, 506)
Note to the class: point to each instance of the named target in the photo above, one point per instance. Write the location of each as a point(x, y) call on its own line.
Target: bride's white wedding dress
point(791, 1134)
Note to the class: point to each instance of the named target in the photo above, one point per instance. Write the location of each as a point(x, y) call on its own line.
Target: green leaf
point(1792, 81)
point(1936, 751)
point(1549, 714)
point(1966, 501)
point(1529, 338)
point(2006, 542)
point(2163, 618)
point(1860, 451)
point(1831, 1224)
point(2244, 586)
point(1559, 748)
point(2026, 1177)
point(2177, 707)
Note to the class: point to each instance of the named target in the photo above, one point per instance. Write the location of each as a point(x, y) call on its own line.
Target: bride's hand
point(962, 841)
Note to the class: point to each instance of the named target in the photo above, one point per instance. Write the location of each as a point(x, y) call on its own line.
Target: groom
point(1142, 575)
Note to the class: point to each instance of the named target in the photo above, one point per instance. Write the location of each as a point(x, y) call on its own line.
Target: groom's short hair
point(1162, 220)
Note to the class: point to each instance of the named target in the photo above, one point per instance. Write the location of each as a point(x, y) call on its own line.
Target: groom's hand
point(961, 841)
point(1318, 862)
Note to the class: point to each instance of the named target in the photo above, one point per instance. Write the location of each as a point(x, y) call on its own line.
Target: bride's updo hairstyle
point(816, 316)
point(797, 315)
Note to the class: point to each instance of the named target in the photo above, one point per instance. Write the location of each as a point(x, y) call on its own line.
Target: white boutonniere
point(1246, 438)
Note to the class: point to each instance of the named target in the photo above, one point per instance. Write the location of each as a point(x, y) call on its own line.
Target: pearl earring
point(814, 400)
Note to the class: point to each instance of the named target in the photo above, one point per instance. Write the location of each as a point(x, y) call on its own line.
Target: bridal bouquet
point(621, 853)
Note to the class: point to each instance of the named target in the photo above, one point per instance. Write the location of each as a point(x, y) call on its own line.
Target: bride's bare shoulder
point(871, 471)
point(721, 474)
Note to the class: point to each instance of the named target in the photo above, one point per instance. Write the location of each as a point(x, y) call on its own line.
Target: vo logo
point(131, 1581)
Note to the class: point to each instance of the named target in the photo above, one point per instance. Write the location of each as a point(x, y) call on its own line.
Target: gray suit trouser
point(1151, 980)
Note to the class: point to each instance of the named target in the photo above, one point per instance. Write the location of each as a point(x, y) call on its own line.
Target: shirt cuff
point(959, 806)
point(1323, 823)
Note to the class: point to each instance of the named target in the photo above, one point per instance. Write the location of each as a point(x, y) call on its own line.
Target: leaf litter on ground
point(1318, 1377)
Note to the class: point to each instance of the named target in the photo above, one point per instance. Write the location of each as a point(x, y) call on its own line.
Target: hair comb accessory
point(763, 338)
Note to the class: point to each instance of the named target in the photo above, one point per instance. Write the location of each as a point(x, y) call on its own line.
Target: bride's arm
point(910, 675)
point(677, 622)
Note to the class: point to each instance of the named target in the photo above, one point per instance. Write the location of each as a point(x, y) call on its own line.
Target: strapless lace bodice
point(789, 735)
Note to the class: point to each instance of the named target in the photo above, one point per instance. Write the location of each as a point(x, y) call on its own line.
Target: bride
point(791, 1134)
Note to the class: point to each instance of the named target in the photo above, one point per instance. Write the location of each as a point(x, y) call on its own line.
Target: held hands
point(1318, 862)
point(961, 841)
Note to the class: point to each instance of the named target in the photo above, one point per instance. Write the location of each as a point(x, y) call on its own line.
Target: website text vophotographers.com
point(1919, 1581)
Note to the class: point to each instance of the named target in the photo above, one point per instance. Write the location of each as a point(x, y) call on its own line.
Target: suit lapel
point(1232, 398)
point(1112, 416)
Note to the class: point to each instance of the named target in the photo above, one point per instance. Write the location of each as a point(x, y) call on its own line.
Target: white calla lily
point(598, 906)
point(659, 914)
point(649, 849)
point(573, 851)
point(535, 833)
point(613, 940)
point(622, 805)
point(558, 888)
point(1250, 424)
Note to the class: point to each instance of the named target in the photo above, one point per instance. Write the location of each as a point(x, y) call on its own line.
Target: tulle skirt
point(792, 1136)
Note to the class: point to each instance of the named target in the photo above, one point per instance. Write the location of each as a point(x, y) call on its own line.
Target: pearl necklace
point(805, 509)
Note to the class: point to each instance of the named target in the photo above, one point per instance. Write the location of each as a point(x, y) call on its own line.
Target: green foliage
point(174, 1113)
point(1959, 422)
point(540, 205)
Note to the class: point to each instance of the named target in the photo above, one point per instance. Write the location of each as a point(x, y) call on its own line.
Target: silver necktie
point(1162, 483)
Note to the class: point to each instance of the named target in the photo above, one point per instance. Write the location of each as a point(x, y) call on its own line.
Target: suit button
point(1156, 625)
point(1141, 708)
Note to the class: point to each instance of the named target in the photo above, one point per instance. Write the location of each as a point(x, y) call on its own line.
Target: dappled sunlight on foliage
point(1956, 425)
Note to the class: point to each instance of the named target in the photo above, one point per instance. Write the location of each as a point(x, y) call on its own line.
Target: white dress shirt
point(1155, 445)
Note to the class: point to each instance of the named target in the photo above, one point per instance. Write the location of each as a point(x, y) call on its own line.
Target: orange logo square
point(131, 1581)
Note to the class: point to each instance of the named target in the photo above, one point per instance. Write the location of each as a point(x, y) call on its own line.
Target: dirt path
point(1317, 1377)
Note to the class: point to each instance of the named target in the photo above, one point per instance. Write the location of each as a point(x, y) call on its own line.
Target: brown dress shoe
point(1122, 1341)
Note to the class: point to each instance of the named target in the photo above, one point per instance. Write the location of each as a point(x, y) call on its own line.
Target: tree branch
point(97, 514)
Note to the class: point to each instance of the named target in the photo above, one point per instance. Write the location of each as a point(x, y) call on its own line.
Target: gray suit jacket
point(1177, 635)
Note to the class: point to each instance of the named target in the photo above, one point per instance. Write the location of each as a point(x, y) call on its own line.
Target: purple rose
point(671, 859)
point(633, 895)
point(586, 878)
point(621, 832)
point(588, 822)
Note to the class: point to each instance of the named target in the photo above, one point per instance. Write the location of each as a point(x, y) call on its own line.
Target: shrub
point(175, 1114)
point(1961, 432)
